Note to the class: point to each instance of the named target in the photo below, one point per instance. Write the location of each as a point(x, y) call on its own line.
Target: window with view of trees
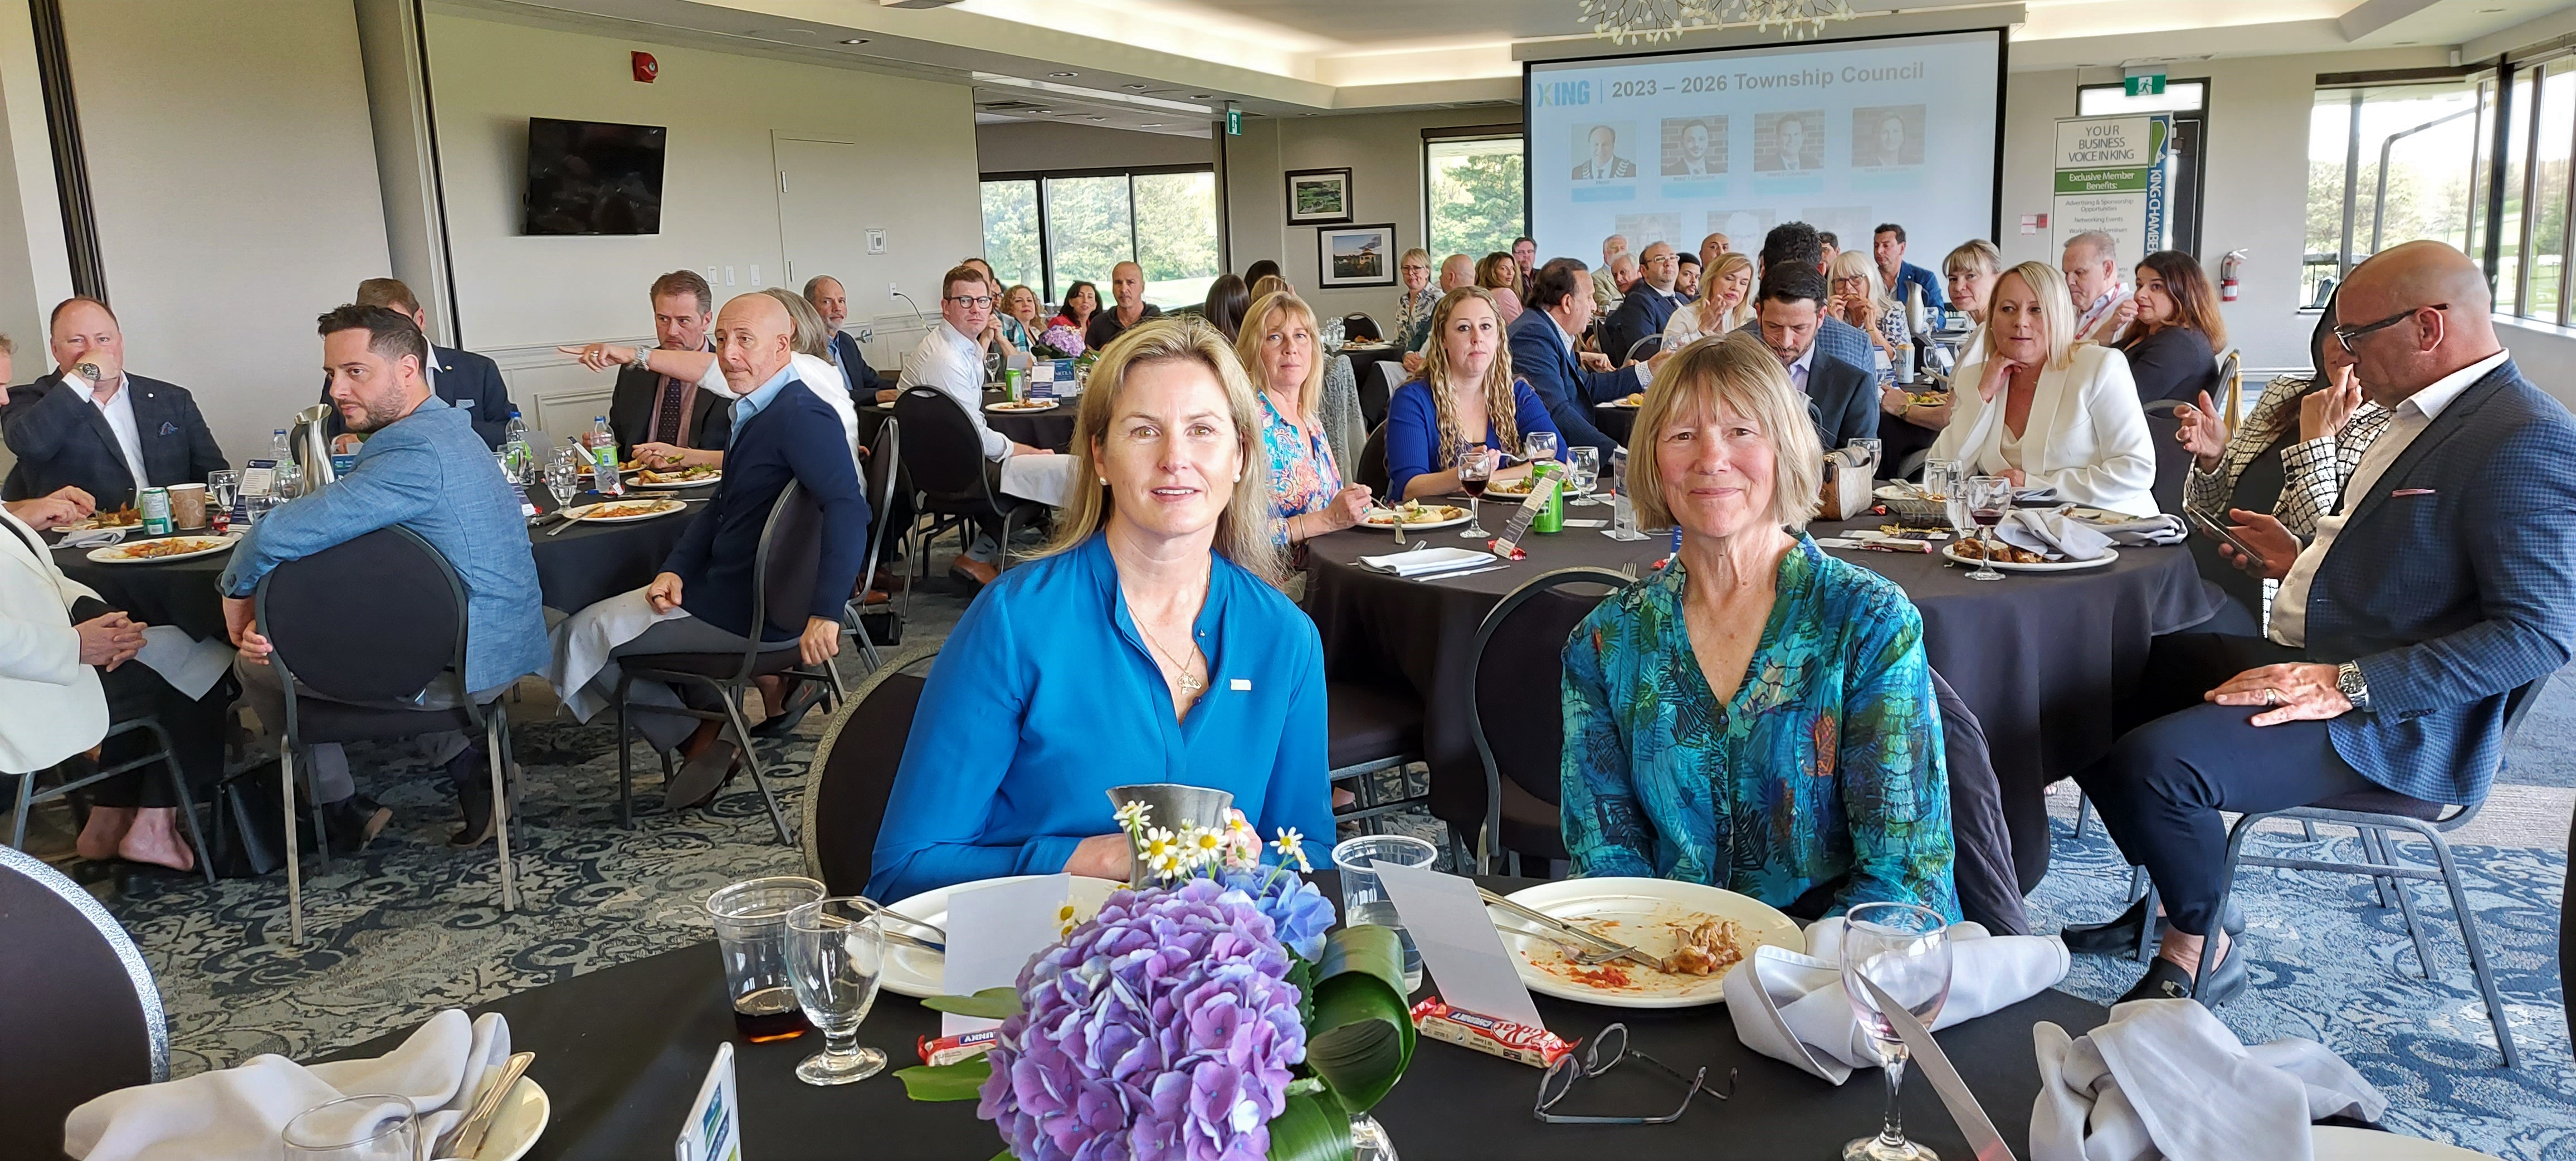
point(2395, 163)
point(1050, 231)
point(1472, 186)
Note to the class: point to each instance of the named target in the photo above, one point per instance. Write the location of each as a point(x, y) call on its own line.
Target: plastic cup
point(1364, 898)
point(751, 935)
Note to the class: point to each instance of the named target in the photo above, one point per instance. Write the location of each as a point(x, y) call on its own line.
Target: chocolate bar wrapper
point(947, 1050)
point(1535, 1047)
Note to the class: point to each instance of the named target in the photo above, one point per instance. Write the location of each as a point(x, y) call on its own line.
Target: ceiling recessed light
point(1061, 74)
point(1042, 111)
point(1133, 85)
point(1100, 118)
point(856, 40)
point(1151, 125)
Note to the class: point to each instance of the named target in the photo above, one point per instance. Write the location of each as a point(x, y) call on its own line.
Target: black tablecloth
point(1615, 420)
point(2040, 657)
point(588, 563)
point(620, 1053)
point(1050, 430)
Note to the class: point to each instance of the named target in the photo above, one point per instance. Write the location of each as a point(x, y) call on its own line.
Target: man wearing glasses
point(950, 359)
point(2445, 582)
point(1648, 304)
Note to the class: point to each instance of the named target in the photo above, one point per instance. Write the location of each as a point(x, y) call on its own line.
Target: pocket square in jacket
point(169, 428)
point(2410, 492)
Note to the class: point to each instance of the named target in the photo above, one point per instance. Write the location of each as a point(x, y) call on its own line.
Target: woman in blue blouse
point(1759, 716)
point(1467, 395)
point(1148, 642)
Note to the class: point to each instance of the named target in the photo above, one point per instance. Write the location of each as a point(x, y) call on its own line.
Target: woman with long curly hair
point(1465, 397)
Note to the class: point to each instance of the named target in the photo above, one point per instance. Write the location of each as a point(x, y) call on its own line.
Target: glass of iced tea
point(751, 934)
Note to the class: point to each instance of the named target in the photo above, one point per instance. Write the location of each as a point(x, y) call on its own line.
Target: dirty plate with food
point(1699, 932)
point(165, 548)
point(2011, 559)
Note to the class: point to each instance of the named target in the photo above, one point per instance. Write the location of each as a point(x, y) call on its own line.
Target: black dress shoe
point(470, 776)
point(2120, 936)
point(2166, 980)
point(353, 822)
point(807, 695)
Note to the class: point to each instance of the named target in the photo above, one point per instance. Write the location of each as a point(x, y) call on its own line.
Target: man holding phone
point(2444, 583)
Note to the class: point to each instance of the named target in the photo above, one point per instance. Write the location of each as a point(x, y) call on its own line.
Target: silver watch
point(2354, 689)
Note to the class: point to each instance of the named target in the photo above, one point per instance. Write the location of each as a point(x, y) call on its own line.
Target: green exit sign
point(2152, 85)
point(1234, 120)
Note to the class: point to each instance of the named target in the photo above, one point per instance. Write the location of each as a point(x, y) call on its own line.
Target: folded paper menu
point(993, 932)
point(1791, 1007)
point(1460, 948)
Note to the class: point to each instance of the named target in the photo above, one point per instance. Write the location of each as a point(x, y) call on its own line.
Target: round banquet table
point(1051, 430)
point(619, 1085)
point(588, 563)
point(2040, 658)
point(1615, 420)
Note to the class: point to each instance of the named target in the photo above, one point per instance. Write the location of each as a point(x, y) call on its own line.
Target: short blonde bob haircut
point(2056, 310)
point(1737, 374)
point(1974, 254)
point(1247, 348)
point(1247, 531)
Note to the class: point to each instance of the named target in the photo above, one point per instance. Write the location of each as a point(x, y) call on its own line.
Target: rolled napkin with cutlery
point(2052, 534)
point(1791, 1007)
point(2161, 528)
point(1428, 560)
point(2163, 1078)
point(93, 538)
point(236, 1114)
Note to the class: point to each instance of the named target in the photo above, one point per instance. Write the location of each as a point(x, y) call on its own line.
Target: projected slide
point(1841, 135)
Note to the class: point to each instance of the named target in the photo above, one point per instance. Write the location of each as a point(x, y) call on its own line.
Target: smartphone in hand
point(2213, 528)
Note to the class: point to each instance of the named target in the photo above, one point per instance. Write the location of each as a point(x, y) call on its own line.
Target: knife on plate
point(1936, 1067)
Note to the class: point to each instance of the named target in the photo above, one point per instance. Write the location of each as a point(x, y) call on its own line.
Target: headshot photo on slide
point(1887, 136)
point(1789, 142)
point(1694, 146)
point(1601, 151)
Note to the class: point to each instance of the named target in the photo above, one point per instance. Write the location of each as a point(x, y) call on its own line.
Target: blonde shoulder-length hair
point(1246, 532)
point(2056, 310)
point(1502, 410)
point(1742, 311)
point(1247, 348)
point(1741, 375)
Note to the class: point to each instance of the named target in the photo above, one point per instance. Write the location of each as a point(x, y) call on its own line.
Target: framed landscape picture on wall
point(1319, 197)
point(1347, 256)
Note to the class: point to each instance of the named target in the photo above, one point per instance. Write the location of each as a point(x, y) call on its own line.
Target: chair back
point(2231, 367)
point(1370, 471)
point(853, 771)
point(946, 456)
point(1982, 860)
point(369, 621)
point(1514, 703)
point(2173, 460)
point(80, 1015)
point(791, 547)
point(884, 475)
point(1358, 327)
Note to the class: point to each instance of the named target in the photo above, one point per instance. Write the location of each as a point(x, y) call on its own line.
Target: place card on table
point(1460, 946)
point(993, 932)
point(713, 1129)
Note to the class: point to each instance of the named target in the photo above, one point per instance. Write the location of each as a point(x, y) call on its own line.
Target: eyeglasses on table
point(1607, 1049)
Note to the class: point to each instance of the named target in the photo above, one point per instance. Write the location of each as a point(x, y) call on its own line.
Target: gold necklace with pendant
point(1190, 683)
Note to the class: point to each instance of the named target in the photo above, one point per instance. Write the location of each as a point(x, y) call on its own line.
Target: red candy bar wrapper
point(1504, 550)
point(1535, 1047)
point(948, 1050)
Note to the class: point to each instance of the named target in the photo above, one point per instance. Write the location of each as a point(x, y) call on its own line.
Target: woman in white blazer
point(51, 703)
point(2046, 412)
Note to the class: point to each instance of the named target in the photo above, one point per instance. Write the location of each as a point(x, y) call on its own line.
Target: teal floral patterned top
point(1823, 771)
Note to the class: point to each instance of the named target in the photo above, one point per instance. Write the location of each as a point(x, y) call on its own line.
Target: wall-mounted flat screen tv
point(593, 177)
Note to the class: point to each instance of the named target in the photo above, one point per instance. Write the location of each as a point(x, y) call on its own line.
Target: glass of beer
point(751, 935)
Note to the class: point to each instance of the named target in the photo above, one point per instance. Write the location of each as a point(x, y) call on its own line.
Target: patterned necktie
point(666, 419)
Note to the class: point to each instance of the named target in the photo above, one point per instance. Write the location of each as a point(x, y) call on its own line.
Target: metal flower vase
point(1174, 807)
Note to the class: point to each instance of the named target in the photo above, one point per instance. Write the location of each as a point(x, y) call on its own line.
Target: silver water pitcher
point(311, 439)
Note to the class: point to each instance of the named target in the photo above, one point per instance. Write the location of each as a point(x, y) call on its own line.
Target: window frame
point(2481, 82)
point(2188, 243)
point(1046, 254)
point(1454, 133)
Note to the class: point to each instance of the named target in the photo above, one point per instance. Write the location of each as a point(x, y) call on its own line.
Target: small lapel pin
point(1241, 685)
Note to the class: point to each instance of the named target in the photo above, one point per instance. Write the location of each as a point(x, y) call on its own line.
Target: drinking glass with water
point(1364, 898)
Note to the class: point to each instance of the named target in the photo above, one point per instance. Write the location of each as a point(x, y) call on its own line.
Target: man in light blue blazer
point(2443, 584)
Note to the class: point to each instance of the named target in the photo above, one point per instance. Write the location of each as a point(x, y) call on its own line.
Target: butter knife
point(469, 1136)
point(1610, 946)
point(1935, 1066)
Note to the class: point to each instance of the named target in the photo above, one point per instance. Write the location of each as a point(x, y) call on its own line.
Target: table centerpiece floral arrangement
point(1059, 343)
point(1210, 1015)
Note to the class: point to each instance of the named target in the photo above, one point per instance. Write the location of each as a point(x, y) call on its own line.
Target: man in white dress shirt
point(2103, 305)
point(950, 359)
point(95, 426)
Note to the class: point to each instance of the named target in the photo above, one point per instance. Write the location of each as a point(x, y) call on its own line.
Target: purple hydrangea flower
point(1163, 1028)
point(1298, 912)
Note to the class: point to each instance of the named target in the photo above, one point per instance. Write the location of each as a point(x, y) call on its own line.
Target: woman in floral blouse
point(1758, 716)
point(1280, 355)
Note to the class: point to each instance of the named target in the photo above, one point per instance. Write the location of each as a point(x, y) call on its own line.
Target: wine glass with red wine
point(1475, 467)
point(1989, 497)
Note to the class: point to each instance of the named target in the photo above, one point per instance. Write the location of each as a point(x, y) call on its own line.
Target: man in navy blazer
point(1647, 306)
point(91, 425)
point(833, 303)
point(2443, 584)
point(1842, 400)
point(464, 379)
point(1543, 354)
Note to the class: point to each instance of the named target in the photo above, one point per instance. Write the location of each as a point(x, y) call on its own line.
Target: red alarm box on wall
point(646, 68)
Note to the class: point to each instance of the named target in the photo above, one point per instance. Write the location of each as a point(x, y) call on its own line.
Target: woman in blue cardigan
point(1148, 642)
point(1467, 395)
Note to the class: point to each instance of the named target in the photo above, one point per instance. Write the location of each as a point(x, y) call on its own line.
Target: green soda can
point(1551, 518)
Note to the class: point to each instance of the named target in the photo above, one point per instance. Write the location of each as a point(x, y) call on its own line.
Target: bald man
point(1128, 306)
point(833, 303)
point(2403, 634)
point(2103, 304)
point(701, 601)
point(1712, 246)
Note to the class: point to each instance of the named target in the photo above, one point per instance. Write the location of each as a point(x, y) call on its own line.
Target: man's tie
point(666, 420)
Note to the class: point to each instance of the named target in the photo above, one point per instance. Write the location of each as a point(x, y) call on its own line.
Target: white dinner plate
point(635, 480)
point(2335, 1143)
point(1635, 912)
point(521, 1120)
point(1902, 492)
point(115, 553)
point(1617, 405)
point(2108, 555)
point(917, 971)
point(581, 512)
point(1372, 521)
point(1018, 409)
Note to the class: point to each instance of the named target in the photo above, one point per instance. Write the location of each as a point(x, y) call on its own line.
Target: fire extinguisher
point(2227, 271)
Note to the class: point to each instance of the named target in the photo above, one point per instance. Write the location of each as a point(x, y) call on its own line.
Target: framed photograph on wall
point(1319, 197)
point(1348, 256)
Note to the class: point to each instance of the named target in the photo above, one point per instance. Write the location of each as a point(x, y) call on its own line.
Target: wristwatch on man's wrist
point(2355, 690)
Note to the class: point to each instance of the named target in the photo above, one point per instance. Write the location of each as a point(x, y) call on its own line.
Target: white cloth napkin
point(2161, 528)
point(2165, 1079)
point(190, 666)
point(1426, 560)
point(1791, 1007)
point(236, 1114)
point(93, 538)
point(2052, 534)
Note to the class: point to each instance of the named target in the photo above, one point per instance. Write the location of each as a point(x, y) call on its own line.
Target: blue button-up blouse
point(1045, 696)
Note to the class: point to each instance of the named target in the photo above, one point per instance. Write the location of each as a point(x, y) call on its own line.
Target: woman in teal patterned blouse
point(1757, 716)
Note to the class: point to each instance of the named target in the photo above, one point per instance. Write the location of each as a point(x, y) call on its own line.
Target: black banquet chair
point(882, 473)
point(1982, 862)
point(77, 987)
point(163, 754)
point(1370, 471)
point(791, 546)
point(945, 460)
point(853, 771)
point(325, 615)
point(1515, 710)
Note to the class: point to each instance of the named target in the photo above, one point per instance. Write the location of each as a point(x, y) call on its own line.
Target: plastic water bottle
point(289, 480)
point(522, 458)
point(603, 449)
